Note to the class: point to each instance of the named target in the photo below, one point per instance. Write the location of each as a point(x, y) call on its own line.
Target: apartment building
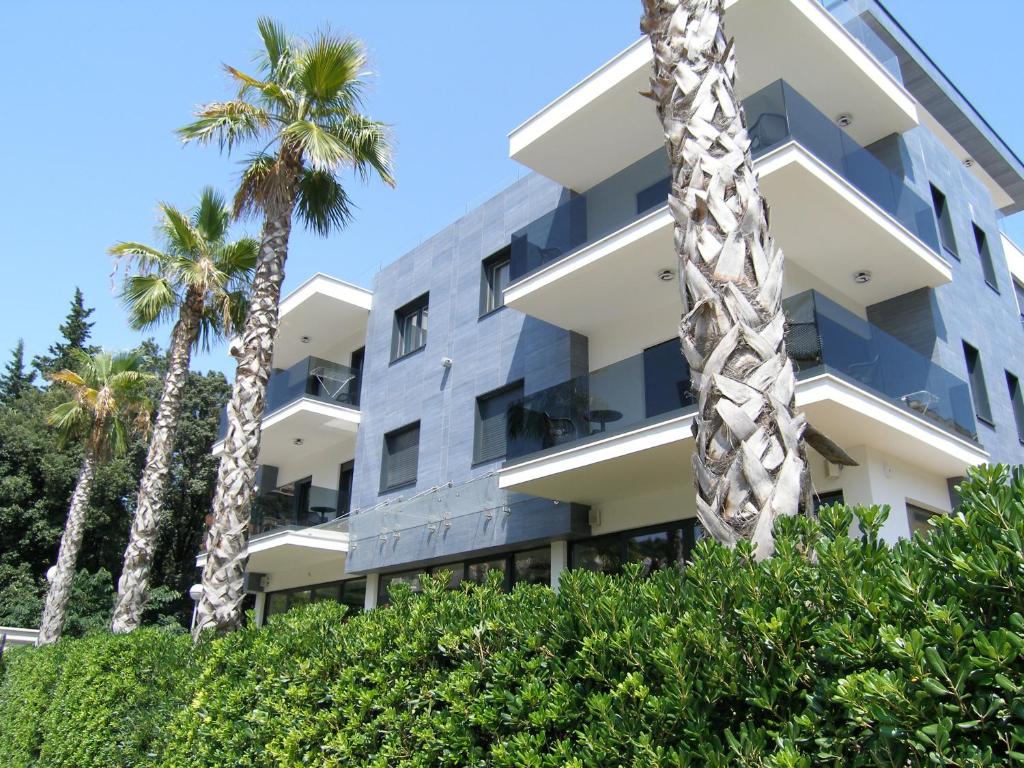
point(511, 397)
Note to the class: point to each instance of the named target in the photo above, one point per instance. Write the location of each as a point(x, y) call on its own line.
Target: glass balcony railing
point(852, 14)
point(776, 115)
point(298, 506)
point(822, 337)
point(310, 377)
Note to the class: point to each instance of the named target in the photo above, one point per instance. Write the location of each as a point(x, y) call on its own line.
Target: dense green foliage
point(36, 479)
point(838, 651)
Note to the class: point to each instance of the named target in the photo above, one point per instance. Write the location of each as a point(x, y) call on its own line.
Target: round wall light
point(666, 274)
point(862, 277)
point(845, 120)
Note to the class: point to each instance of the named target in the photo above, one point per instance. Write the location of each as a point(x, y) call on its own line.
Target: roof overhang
point(603, 124)
point(282, 550)
point(319, 317)
point(948, 113)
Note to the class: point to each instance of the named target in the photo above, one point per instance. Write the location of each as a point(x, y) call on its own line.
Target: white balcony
point(602, 124)
point(656, 455)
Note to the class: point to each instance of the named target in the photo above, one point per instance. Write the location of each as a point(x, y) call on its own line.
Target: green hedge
point(838, 651)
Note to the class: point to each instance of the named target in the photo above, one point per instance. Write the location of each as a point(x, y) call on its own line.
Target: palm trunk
point(55, 609)
point(133, 585)
point(220, 607)
point(748, 460)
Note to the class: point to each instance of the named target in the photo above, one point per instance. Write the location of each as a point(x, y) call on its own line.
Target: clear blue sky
point(95, 89)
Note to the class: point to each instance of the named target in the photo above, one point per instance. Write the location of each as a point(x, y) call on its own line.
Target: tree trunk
point(133, 585)
point(55, 609)
point(748, 460)
point(220, 607)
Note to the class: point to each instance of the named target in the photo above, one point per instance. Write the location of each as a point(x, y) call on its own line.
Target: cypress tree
point(15, 379)
point(75, 332)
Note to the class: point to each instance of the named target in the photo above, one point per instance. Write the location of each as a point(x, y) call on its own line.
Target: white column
point(261, 608)
point(559, 561)
point(372, 583)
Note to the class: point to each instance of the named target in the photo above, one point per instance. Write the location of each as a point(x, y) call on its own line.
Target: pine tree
point(75, 331)
point(15, 379)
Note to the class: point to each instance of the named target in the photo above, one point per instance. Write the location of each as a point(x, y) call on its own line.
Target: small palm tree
point(303, 110)
point(202, 279)
point(107, 404)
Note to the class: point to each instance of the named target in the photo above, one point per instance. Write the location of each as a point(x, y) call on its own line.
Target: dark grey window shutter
point(492, 423)
point(401, 457)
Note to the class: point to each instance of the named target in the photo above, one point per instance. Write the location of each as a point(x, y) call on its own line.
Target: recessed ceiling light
point(305, 339)
point(969, 162)
point(298, 441)
point(845, 120)
point(864, 276)
point(666, 274)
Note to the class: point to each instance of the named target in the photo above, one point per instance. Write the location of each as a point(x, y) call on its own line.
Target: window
point(351, 593)
point(1019, 290)
point(945, 222)
point(401, 457)
point(1017, 403)
point(491, 433)
point(656, 547)
point(987, 267)
point(532, 566)
point(410, 332)
point(919, 517)
point(827, 499)
point(976, 376)
point(495, 280)
point(345, 477)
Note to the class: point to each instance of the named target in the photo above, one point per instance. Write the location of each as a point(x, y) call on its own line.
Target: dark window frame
point(514, 389)
point(688, 527)
point(1013, 385)
point(400, 339)
point(339, 584)
point(492, 296)
point(385, 487)
point(976, 384)
point(344, 504)
point(459, 569)
point(1018, 293)
point(988, 267)
point(944, 221)
point(919, 515)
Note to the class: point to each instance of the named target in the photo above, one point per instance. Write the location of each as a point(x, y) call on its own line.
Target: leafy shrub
point(29, 676)
point(838, 651)
point(103, 700)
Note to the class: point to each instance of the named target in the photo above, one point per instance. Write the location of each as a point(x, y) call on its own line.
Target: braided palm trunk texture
point(748, 461)
point(227, 543)
point(56, 607)
point(133, 586)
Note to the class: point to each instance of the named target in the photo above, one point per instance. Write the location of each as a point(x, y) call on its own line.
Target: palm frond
point(237, 259)
point(322, 205)
point(177, 229)
point(211, 217)
point(368, 144)
point(149, 300)
point(275, 45)
point(253, 188)
point(329, 70)
point(321, 148)
point(227, 123)
point(65, 376)
point(144, 257)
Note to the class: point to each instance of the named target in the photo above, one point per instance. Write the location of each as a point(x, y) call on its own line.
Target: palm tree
point(202, 278)
point(107, 404)
point(303, 110)
point(749, 463)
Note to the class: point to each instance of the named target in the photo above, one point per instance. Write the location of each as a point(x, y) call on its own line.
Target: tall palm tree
point(106, 405)
point(748, 462)
point(303, 112)
point(202, 279)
